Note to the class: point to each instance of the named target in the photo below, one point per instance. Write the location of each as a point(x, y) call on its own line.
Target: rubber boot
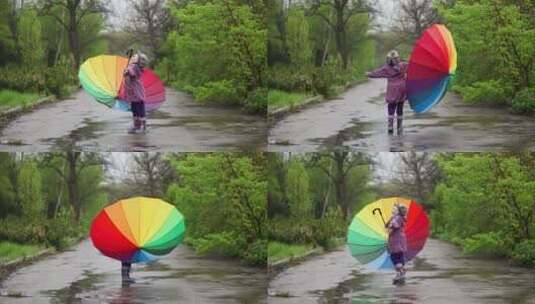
point(400, 125)
point(390, 125)
point(143, 125)
point(136, 126)
point(125, 274)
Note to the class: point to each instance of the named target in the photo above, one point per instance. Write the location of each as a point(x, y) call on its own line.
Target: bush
point(330, 227)
point(225, 243)
point(217, 91)
point(524, 101)
point(292, 231)
point(60, 229)
point(524, 253)
point(491, 91)
point(47, 80)
point(256, 101)
point(489, 244)
point(15, 230)
point(256, 253)
point(288, 78)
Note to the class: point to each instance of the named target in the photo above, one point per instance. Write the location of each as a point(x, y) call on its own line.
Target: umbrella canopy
point(432, 65)
point(367, 237)
point(102, 77)
point(137, 229)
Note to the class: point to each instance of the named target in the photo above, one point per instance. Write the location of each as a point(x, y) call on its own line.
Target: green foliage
point(303, 53)
point(11, 251)
point(221, 244)
point(34, 207)
point(278, 251)
point(277, 99)
point(217, 91)
point(223, 198)
point(256, 101)
point(29, 33)
point(490, 91)
point(486, 202)
point(256, 253)
point(217, 52)
point(494, 42)
point(297, 190)
point(287, 78)
point(524, 101)
point(329, 227)
point(29, 190)
point(524, 253)
point(299, 44)
point(10, 99)
point(491, 244)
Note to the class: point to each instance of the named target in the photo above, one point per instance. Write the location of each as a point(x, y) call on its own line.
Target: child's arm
point(381, 72)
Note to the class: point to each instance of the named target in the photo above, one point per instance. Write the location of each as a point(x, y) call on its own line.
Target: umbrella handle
point(130, 53)
point(380, 213)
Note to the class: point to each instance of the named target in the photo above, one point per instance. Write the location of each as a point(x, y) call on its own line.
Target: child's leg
point(399, 112)
point(391, 112)
point(142, 115)
point(125, 268)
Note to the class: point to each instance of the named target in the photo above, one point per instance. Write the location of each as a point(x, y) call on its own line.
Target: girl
point(134, 92)
point(397, 241)
point(394, 71)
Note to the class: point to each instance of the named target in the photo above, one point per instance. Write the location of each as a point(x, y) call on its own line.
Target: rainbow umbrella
point(431, 67)
point(367, 237)
point(102, 77)
point(137, 229)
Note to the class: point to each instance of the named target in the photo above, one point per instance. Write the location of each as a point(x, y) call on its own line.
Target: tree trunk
point(72, 183)
point(74, 42)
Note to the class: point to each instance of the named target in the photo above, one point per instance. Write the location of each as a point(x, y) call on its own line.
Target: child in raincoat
point(134, 92)
point(397, 241)
point(395, 71)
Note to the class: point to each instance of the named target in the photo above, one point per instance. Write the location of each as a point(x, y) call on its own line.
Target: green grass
point(10, 99)
point(278, 99)
point(11, 251)
point(279, 251)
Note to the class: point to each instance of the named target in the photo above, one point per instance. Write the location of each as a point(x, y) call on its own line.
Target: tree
point(297, 190)
point(148, 22)
point(417, 175)
point(298, 41)
point(75, 164)
point(76, 11)
point(342, 163)
point(31, 46)
point(415, 17)
point(343, 11)
point(29, 189)
point(151, 174)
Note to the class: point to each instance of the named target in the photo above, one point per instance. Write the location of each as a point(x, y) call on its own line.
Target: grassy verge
point(278, 99)
point(11, 251)
point(10, 99)
point(279, 251)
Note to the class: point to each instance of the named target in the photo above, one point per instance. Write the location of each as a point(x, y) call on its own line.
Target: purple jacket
point(397, 240)
point(395, 89)
point(134, 91)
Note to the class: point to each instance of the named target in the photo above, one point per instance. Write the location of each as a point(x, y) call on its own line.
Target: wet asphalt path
point(180, 125)
point(357, 120)
point(83, 275)
point(440, 274)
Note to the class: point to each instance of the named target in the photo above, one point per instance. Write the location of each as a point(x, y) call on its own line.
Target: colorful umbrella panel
point(431, 67)
point(102, 78)
point(139, 229)
point(367, 237)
